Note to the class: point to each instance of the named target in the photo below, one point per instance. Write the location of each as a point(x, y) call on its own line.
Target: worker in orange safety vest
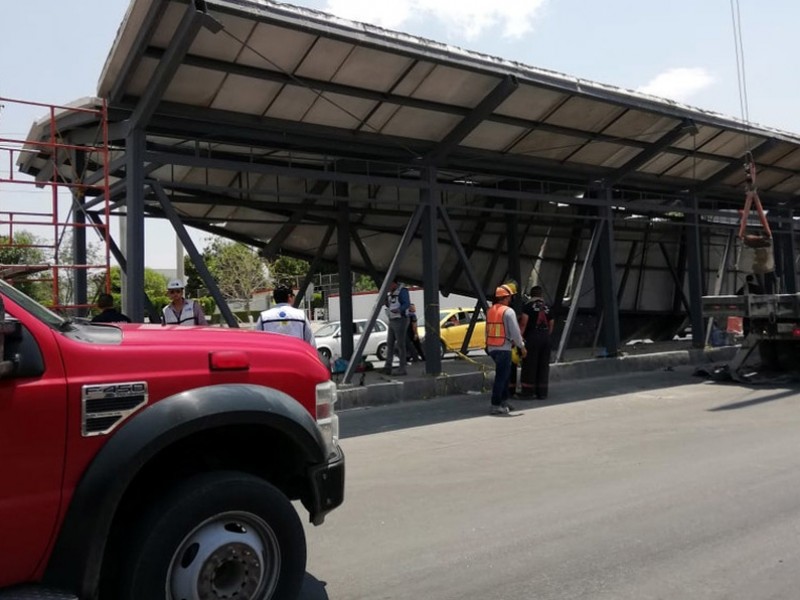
point(502, 334)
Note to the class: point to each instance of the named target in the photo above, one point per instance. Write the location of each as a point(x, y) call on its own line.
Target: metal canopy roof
point(265, 118)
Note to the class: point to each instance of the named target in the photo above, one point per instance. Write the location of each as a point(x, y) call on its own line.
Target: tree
point(24, 251)
point(66, 277)
point(288, 270)
point(238, 270)
point(365, 283)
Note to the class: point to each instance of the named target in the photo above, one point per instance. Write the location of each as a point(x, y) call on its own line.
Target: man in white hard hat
point(180, 311)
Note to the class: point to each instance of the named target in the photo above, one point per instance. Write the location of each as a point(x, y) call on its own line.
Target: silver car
point(329, 343)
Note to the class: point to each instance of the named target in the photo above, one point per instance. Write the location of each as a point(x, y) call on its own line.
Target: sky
point(52, 51)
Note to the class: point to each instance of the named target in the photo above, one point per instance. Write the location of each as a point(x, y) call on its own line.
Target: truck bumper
point(327, 487)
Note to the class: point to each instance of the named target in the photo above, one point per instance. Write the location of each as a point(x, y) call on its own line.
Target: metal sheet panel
point(454, 86)
point(275, 48)
point(245, 95)
point(585, 114)
point(732, 144)
point(547, 145)
point(194, 86)
point(420, 124)
point(532, 103)
point(641, 126)
point(324, 59)
point(292, 103)
point(604, 154)
point(337, 110)
point(691, 168)
point(372, 69)
point(494, 136)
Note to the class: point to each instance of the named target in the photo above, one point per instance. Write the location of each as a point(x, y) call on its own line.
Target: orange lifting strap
point(754, 240)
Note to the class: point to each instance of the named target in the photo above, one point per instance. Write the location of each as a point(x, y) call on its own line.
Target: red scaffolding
point(46, 213)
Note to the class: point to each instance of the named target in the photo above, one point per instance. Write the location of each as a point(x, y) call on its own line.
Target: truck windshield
point(30, 305)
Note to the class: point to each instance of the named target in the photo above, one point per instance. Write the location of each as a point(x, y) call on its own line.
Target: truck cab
point(141, 461)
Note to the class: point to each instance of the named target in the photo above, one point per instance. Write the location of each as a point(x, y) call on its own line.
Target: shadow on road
point(313, 589)
point(418, 413)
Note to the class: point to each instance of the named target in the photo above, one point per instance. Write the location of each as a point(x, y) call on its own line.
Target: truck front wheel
point(216, 535)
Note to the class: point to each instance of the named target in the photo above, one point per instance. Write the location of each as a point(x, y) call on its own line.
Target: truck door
point(33, 421)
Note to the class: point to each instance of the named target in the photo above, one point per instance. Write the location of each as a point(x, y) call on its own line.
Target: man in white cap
point(180, 311)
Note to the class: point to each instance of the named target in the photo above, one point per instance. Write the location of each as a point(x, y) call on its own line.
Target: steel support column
point(430, 198)
point(345, 276)
point(695, 272)
point(605, 266)
point(789, 255)
point(400, 252)
point(512, 244)
point(194, 255)
point(133, 305)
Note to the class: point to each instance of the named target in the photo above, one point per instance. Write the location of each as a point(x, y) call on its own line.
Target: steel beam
point(695, 274)
point(430, 198)
point(685, 127)
point(134, 225)
point(405, 241)
point(191, 22)
point(605, 265)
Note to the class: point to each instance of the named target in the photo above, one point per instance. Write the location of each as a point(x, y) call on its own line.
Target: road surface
point(657, 485)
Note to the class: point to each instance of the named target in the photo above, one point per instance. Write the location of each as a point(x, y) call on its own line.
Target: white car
point(328, 338)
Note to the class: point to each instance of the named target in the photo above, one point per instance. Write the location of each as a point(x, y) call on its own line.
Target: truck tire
point(216, 535)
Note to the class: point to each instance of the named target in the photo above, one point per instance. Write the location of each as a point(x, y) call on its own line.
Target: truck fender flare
point(77, 557)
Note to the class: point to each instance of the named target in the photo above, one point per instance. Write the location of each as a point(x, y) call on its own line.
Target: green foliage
point(238, 270)
point(286, 269)
point(365, 283)
point(23, 252)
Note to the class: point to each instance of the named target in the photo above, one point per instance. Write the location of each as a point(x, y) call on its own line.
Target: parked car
point(453, 327)
point(329, 343)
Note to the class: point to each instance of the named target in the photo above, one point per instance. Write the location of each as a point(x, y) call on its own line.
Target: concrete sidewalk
point(475, 374)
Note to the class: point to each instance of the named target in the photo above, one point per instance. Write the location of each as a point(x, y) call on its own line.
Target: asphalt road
point(656, 485)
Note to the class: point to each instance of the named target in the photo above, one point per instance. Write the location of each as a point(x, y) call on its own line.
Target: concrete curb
point(402, 390)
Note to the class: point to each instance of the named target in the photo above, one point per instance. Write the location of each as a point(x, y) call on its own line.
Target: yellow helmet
point(507, 289)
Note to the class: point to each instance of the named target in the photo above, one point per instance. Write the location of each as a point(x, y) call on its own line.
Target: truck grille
point(106, 405)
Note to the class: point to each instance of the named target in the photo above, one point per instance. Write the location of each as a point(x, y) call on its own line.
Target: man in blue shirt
point(397, 303)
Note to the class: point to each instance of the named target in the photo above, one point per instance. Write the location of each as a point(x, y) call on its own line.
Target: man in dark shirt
point(536, 324)
point(108, 314)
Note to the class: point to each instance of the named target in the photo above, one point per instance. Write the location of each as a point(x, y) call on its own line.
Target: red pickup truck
point(140, 462)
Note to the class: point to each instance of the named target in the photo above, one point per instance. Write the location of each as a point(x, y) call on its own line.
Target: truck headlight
point(327, 419)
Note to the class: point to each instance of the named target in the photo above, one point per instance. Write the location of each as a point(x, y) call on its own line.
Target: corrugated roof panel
point(193, 85)
point(212, 177)
point(703, 135)
point(324, 59)
point(246, 95)
point(414, 78)
point(377, 120)
point(168, 24)
point(641, 126)
point(767, 178)
point(543, 144)
point(528, 102)
point(790, 186)
point(458, 87)
point(661, 163)
point(493, 136)
point(421, 124)
point(790, 161)
point(141, 77)
point(337, 110)
point(730, 143)
point(585, 114)
point(372, 69)
point(604, 154)
point(292, 103)
point(224, 45)
point(690, 168)
point(275, 48)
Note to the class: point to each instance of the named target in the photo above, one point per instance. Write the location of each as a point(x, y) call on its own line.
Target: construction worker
point(536, 324)
point(180, 311)
point(286, 319)
point(502, 334)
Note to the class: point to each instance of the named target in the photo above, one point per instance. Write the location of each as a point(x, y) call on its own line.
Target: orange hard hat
point(505, 290)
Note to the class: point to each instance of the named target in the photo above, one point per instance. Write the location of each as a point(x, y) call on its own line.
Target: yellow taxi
point(453, 327)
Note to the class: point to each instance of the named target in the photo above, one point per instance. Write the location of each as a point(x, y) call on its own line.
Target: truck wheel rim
point(232, 555)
